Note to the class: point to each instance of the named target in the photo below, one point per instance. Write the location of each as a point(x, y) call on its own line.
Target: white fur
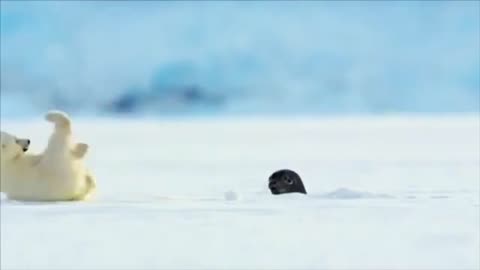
point(58, 174)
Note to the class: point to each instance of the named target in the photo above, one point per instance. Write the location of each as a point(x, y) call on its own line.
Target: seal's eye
point(287, 180)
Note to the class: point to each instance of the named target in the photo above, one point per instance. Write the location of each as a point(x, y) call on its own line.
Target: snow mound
point(345, 193)
point(231, 196)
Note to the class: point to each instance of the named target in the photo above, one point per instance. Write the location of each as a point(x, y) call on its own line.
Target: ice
point(383, 193)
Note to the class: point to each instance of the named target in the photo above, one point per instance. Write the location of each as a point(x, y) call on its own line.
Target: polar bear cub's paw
point(60, 119)
point(80, 150)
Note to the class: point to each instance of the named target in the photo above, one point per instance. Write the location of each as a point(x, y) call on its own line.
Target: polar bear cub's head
point(12, 147)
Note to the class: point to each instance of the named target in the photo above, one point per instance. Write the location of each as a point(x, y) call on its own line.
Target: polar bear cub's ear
point(79, 150)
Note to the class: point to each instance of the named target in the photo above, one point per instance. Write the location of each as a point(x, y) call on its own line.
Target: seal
point(285, 181)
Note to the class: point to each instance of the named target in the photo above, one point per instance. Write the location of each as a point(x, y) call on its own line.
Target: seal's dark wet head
point(285, 181)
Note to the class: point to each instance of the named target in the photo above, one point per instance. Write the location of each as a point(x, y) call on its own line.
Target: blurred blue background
point(237, 58)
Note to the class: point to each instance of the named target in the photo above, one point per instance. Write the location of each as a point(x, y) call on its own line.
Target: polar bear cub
point(57, 174)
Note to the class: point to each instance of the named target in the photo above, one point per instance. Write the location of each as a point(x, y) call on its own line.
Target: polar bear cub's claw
point(59, 118)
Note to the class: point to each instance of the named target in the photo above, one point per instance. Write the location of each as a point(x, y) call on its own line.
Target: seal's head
point(285, 181)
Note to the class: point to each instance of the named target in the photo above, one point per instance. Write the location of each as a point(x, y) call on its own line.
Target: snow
point(384, 193)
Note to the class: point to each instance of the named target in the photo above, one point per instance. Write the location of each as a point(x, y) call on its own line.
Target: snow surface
point(384, 193)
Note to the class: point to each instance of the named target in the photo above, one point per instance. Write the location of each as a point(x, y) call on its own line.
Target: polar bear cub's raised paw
point(60, 119)
point(80, 150)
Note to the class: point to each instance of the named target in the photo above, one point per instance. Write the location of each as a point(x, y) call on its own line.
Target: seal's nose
point(272, 184)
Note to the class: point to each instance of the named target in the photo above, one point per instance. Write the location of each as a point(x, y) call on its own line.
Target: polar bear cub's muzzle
point(24, 143)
